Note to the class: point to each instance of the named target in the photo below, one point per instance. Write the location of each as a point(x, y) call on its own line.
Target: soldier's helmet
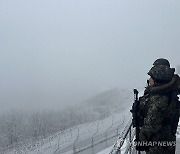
point(161, 61)
point(161, 73)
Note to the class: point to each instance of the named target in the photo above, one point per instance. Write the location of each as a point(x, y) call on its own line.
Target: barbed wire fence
point(105, 139)
point(74, 149)
point(124, 142)
point(97, 142)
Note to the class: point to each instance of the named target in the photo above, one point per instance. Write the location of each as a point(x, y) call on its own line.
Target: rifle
point(136, 119)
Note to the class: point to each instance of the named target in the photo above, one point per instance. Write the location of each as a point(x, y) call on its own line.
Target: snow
point(73, 135)
point(76, 134)
point(105, 151)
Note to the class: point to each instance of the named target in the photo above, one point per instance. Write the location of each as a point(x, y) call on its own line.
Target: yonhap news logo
point(120, 142)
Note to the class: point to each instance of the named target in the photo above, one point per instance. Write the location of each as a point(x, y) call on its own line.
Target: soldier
point(160, 109)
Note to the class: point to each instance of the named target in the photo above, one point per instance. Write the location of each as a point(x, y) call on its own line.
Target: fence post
point(120, 125)
point(130, 140)
point(97, 129)
point(112, 123)
point(92, 146)
point(74, 146)
point(106, 140)
point(74, 149)
point(58, 140)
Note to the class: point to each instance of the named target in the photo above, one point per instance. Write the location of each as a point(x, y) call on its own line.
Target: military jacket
point(160, 116)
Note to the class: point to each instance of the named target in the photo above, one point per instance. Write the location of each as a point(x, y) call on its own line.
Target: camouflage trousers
point(161, 150)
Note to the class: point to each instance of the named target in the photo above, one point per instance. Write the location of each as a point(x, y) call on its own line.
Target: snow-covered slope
point(78, 133)
point(116, 102)
point(113, 98)
point(111, 101)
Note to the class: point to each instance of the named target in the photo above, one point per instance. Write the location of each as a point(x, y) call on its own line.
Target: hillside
point(94, 109)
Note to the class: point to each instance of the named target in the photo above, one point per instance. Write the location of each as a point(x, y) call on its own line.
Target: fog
point(62, 52)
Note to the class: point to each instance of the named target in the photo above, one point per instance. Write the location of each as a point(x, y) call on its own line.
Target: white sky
point(60, 52)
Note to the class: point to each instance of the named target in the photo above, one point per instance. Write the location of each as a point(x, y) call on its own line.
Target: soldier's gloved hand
point(148, 90)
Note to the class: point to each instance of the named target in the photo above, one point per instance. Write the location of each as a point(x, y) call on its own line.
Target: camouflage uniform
point(160, 112)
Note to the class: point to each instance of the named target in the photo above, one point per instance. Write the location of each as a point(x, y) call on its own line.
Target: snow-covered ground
point(105, 151)
point(73, 135)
